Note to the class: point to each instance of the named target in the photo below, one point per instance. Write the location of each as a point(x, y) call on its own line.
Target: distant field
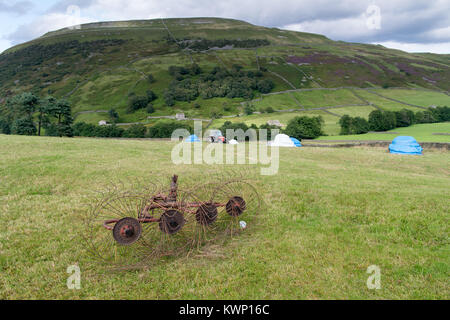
point(359, 111)
point(417, 97)
point(331, 122)
point(422, 133)
point(331, 213)
point(329, 98)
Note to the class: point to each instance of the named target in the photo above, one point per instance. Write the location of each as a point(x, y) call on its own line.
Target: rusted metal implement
point(169, 213)
point(136, 223)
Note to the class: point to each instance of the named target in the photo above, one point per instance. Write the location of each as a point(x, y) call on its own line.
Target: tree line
point(162, 129)
point(205, 44)
point(380, 120)
point(27, 114)
point(301, 127)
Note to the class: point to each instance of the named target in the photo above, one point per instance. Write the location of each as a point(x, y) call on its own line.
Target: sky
point(409, 25)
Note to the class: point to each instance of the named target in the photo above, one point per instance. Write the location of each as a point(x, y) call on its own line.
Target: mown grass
point(421, 132)
point(417, 97)
point(326, 98)
point(330, 214)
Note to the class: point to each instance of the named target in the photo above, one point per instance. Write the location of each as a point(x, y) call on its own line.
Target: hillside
point(102, 65)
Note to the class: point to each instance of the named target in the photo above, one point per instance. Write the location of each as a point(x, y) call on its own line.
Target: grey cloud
point(19, 7)
point(419, 21)
point(62, 5)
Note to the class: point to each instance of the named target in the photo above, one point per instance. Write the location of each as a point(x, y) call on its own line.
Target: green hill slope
point(99, 66)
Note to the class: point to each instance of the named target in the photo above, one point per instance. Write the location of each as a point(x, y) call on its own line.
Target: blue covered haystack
point(192, 138)
point(296, 142)
point(405, 145)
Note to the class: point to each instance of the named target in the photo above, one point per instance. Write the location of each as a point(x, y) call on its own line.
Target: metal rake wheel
point(127, 231)
point(241, 200)
point(113, 231)
point(171, 221)
point(236, 206)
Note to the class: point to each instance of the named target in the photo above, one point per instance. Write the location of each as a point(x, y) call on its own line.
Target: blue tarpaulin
point(405, 145)
point(192, 138)
point(296, 142)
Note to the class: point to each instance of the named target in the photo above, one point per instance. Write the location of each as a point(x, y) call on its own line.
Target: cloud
point(20, 7)
point(45, 23)
point(401, 21)
point(442, 47)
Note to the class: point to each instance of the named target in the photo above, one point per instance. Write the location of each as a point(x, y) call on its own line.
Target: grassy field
point(422, 133)
point(331, 125)
point(330, 214)
point(323, 98)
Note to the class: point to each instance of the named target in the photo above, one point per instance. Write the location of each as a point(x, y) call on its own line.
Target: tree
point(27, 103)
point(376, 120)
point(425, 117)
point(82, 129)
point(62, 112)
point(169, 98)
point(441, 114)
point(249, 109)
point(24, 126)
point(151, 96)
point(113, 115)
point(359, 126)
point(165, 128)
point(233, 126)
point(4, 126)
point(216, 114)
point(44, 108)
point(195, 69)
point(135, 131)
point(345, 122)
point(355, 125)
point(382, 120)
point(18, 114)
point(265, 86)
point(136, 103)
point(305, 127)
point(404, 118)
point(389, 120)
point(237, 67)
point(150, 78)
point(150, 108)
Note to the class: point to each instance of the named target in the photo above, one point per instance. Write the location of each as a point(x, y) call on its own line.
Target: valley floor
point(329, 215)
